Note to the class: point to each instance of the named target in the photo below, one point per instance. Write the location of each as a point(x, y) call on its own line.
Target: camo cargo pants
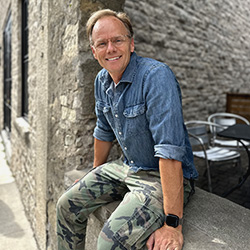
point(139, 214)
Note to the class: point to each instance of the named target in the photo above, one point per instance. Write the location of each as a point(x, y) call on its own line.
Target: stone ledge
point(71, 176)
point(23, 128)
point(210, 222)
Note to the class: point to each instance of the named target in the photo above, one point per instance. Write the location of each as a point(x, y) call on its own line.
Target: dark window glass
point(7, 75)
point(25, 58)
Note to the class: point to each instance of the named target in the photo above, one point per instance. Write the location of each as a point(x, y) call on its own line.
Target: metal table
point(238, 132)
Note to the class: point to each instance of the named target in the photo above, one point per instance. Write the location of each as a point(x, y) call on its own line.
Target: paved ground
point(224, 177)
point(15, 230)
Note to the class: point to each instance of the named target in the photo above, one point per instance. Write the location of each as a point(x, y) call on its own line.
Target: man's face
point(112, 46)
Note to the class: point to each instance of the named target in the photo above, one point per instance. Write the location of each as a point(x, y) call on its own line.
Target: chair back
point(225, 120)
point(199, 136)
point(199, 131)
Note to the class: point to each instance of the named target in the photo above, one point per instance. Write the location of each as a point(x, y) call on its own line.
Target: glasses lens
point(117, 41)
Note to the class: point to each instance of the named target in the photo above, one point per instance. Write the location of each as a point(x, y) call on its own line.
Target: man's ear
point(94, 52)
point(132, 45)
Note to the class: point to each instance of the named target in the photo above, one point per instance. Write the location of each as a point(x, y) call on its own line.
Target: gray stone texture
point(206, 44)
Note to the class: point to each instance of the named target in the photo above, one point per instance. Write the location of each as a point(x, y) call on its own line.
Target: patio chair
point(199, 135)
point(225, 120)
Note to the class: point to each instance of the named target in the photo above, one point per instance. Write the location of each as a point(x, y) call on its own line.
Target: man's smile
point(113, 58)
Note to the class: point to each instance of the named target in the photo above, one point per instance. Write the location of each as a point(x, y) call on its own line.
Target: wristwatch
point(173, 220)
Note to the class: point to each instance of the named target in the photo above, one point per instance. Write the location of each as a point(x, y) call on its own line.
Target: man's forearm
point(101, 152)
point(172, 186)
point(168, 237)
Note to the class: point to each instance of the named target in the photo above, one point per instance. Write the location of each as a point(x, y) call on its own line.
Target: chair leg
point(239, 165)
point(209, 176)
point(205, 172)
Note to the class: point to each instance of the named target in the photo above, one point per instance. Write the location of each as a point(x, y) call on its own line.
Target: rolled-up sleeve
point(164, 113)
point(169, 152)
point(102, 130)
point(103, 135)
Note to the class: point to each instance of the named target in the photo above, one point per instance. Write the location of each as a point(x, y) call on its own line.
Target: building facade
point(47, 73)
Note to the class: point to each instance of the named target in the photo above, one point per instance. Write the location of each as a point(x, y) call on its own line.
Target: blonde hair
point(107, 12)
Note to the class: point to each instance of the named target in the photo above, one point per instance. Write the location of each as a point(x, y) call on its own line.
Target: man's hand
point(166, 238)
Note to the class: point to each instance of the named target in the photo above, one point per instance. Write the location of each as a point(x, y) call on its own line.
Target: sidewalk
point(15, 230)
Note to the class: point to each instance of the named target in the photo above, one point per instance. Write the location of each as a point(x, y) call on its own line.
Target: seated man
point(138, 102)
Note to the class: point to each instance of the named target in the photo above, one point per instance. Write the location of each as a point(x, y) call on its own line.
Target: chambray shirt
point(144, 113)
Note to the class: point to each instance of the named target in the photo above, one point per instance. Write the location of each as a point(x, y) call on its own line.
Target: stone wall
point(206, 43)
point(23, 133)
point(28, 137)
point(207, 50)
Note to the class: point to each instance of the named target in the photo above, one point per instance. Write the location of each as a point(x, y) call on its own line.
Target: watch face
point(172, 220)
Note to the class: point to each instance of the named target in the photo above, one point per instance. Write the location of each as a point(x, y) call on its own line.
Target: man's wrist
point(173, 220)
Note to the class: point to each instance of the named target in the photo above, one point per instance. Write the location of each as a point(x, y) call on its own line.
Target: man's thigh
point(133, 221)
point(139, 214)
point(95, 189)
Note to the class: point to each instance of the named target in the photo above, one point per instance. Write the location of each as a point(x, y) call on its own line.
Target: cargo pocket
point(138, 227)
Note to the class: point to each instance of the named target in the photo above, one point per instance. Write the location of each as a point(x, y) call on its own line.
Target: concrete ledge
point(23, 128)
point(210, 222)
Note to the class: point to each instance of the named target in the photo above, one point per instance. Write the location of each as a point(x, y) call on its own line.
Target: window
point(25, 59)
point(7, 75)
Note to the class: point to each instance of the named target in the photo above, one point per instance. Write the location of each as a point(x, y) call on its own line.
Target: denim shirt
point(144, 113)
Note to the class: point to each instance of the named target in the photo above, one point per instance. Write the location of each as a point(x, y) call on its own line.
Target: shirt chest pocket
point(135, 119)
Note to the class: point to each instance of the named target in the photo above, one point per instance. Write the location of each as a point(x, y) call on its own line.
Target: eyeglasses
point(117, 41)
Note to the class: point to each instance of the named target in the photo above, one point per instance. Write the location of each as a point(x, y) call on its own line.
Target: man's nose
point(110, 47)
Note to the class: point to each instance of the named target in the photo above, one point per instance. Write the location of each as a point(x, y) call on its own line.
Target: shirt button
point(131, 162)
point(120, 133)
point(125, 148)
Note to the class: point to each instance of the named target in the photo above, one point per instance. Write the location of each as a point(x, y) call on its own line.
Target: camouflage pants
point(139, 214)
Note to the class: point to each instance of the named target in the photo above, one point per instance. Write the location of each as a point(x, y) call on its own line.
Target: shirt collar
point(130, 71)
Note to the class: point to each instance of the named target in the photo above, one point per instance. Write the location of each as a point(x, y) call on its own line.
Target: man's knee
point(107, 239)
point(61, 203)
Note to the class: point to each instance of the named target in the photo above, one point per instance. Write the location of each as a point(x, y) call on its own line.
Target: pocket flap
point(134, 110)
point(102, 106)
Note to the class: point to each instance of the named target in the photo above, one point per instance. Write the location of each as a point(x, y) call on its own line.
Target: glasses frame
point(104, 47)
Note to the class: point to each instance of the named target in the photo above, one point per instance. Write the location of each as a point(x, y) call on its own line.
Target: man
point(138, 102)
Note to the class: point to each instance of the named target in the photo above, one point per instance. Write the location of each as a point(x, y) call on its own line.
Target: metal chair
point(199, 135)
point(226, 120)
